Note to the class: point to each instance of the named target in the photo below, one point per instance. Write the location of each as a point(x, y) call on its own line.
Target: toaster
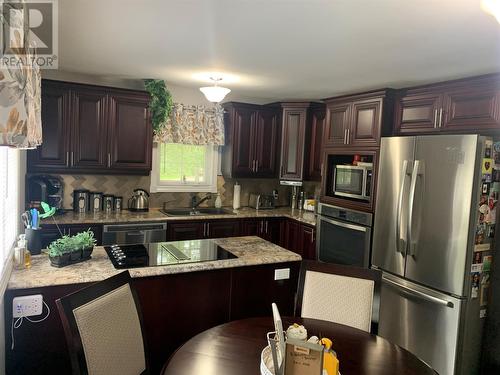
point(261, 201)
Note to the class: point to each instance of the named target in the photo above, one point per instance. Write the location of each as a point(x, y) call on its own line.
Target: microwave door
point(348, 181)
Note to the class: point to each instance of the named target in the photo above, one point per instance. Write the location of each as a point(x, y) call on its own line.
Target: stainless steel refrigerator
point(426, 240)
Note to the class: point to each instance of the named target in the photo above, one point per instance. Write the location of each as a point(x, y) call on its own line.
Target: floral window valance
point(193, 125)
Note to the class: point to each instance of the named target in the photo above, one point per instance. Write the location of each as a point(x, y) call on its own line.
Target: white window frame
point(210, 186)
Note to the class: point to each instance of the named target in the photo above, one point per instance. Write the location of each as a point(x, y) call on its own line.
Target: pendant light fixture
point(215, 94)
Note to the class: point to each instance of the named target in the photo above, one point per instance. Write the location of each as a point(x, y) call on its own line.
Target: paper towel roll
point(236, 196)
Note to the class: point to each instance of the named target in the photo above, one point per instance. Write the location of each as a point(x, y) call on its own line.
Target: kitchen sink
point(196, 212)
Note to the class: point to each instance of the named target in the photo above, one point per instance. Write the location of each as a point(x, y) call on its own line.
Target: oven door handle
point(359, 228)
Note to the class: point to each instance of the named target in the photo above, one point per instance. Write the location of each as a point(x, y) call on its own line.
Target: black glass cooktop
point(165, 253)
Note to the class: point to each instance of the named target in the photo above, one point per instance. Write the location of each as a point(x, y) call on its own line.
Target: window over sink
point(184, 168)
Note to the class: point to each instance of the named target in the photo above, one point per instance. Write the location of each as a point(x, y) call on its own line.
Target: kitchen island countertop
point(249, 250)
point(154, 214)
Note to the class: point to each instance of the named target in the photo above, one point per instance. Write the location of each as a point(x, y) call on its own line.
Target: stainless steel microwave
point(353, 181)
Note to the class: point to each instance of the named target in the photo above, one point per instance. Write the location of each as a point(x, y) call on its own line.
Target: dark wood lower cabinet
point(222, 228)
point(270, 229)
point(185, 230)
point(195, 230)
point(175, 308)
point(301, 239)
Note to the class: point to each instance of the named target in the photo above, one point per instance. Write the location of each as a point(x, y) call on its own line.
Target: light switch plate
point(282, 274)
point(27, 305)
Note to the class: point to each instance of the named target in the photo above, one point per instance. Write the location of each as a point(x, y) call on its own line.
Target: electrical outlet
point(27, 305)
point(282, 274)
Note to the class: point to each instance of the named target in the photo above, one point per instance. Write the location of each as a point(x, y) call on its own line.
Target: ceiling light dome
point(215, 94)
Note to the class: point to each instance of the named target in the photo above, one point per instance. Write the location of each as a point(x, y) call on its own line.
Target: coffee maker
point(44, 188)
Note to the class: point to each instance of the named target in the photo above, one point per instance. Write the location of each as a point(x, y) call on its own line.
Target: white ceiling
point(280, 49)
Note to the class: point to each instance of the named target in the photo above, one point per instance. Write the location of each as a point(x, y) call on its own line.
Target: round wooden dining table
point(234, 349)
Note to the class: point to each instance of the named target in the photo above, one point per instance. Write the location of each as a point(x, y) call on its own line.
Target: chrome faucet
point(195, 203)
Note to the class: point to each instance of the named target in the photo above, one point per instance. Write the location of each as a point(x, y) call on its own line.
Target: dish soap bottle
point(218, 201)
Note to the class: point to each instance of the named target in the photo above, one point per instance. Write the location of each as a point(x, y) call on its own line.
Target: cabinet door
point(185, 231)
point(292, 144)
point(364, 129)
point(131, 136)
point(418, 112)
point(293, 236)
point(251, 227)
point(273, 231)
point(314, 140)
point(53, 153)
point(471, 109)
point(267, 134)
point(222, 228)
point(244, 142)
point(89, 129)
point(308, 242)
point(337, 122)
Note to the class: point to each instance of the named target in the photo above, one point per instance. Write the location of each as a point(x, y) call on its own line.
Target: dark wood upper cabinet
point(358, 120)
point(417, 112)
point(90, 131)
point(337, 122)
point(252, 140)
point(465, 105)
point(93, 129)
point(293, 134)
point(267, 134)
point(131, 135)
point(54, 152)
point(314, 139)
point(244, 141)
point(476, 108)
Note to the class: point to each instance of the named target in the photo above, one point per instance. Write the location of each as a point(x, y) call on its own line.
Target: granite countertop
point(154, 214)
point(250, 251)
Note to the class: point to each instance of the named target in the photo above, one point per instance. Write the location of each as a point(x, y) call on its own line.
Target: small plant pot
point(75, 255)
point(60, 261)
point(86, 252)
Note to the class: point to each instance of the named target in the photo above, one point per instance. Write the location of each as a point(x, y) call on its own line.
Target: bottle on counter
point(236, 196)
point(218, 201)
point(301, 200)
point(23, 254)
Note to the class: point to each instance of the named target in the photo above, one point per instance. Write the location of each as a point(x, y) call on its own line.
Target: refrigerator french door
point(423, 239)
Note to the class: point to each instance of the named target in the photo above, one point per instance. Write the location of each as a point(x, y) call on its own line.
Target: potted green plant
point(69, 250)
point(86, 242)
point(59, 253)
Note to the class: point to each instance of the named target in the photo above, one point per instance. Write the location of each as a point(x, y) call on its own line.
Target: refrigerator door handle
point(419, 294)
point(399, 241)
point(412, 241)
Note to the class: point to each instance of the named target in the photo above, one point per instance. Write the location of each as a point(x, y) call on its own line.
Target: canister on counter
point(118, 204)
point(95, 201)
point(107, 202)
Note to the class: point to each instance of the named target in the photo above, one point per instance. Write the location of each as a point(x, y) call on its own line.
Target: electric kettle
point(139, 201)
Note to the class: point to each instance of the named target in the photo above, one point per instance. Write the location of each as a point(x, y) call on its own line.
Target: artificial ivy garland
point(161, 103)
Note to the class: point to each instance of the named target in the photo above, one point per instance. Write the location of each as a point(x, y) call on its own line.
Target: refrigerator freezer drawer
point(424, 322)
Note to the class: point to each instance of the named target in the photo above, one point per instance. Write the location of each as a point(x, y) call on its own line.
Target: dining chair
point(340, 294)
point(104, 328)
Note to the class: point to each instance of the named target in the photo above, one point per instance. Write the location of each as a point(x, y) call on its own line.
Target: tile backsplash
point(124, 186)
